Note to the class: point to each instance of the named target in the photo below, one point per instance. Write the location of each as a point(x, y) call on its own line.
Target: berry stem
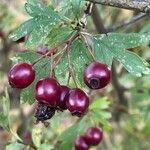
point(68, 81)
point(70, 67)
point(89, 48)
point(51, 69)
point(71, 70)
point(40, 58)
point(69, 42)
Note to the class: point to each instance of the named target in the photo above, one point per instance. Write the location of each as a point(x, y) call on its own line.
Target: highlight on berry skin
point(21, 75)
point(92, 137)
point(97, 75)
point(77, 102)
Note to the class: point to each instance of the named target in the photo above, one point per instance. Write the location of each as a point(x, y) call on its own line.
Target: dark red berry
point(47, 90)
point(27, 137)
point(21, 75)
point(61, 103)
point(97, 75)
point(77, 102)
point(80, 143)
point(44, 49)
point(2, 34)
point(44, 112)
point(94, 136)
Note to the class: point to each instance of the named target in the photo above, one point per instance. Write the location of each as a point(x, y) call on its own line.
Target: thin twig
point(139, 5)
point(51, 61)
point(129, 22)
point(70, 68)
point(68, 81)
point(89, 48)
point(48, 53)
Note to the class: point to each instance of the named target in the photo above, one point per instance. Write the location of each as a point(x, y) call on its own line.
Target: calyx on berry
point(94, 136)
point(21, 75)
point(77, 102)
point(61, 102)
point(97, 75)
point(47, 90)
point(80, 143)
point(44, 112)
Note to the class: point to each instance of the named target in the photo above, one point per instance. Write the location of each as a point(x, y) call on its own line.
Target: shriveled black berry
point(44, 112)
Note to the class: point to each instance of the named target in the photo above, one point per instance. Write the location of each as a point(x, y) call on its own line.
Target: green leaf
point(79, 59)
point(133, 63)
point(43, 21)
point(100, 103)
point(59, 35)
point(24, 29)
point(15, 146)
point(114, 45)
point(42, 69)
point(36, 8)
point(6, 103)
point(4, 116)
point(37, 136)
point(40, 32)
point(99, 114)
point(101, 117)
point(46, 146)
point(68, 136)
point(4, 122)
point(76, 7)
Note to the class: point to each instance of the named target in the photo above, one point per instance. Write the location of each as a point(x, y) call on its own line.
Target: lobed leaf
point(79, 60)
point(43, 21)
point(59, 35)
point(24, 29)
point(114, 45)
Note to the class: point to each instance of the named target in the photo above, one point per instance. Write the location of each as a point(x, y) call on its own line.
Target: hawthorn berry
point(80, 143)
point(97, 75)
point(44, 112)
point(47, 90)
point(44, 49)
point(94, 136)
point(21, 75)
point(77, 102)
point(61, 103)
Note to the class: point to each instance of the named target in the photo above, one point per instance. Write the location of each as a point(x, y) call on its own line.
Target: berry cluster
point(52, 96)
point(93, 137)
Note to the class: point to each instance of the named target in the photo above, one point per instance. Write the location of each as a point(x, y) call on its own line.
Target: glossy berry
point(61, 102)
point(44, 112)
point(80, 143)
point(94, 136)
point(77, 102)
point(47, 90)
point(21, 75)
point(97, 75)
